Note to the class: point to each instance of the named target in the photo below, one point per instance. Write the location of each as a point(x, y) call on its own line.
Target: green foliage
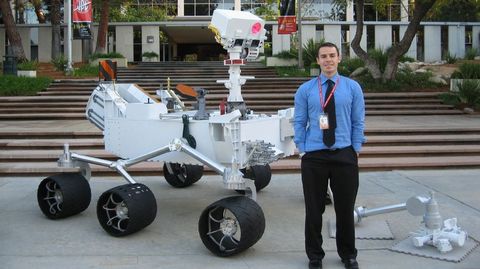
point(150, 54)
point(86, 71)
point(28, 65)
point(291, 71)
point(380, 56)
point(468, 94)
point(455, 11)
point(132, 13)
point(450, 59)
point(60, 63)
point(267, 49)
point(310, 51)
point(291, 54)
point(467, 71)
point(471, 53)
point(268, 11)
point(405, 80)
point(348, 65)
point(106, 55)
point(21, 86)
point(404, 59)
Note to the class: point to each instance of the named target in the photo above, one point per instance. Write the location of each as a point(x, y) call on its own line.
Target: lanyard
point(329, 96)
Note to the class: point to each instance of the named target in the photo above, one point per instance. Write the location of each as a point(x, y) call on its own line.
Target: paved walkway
point(30, 240)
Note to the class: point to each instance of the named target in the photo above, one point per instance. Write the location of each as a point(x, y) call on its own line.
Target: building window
point(206, 7)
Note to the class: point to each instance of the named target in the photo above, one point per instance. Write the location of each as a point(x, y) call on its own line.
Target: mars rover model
point(234, 142)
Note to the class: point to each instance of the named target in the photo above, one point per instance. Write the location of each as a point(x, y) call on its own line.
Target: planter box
point(121, 62)
point(274, 61)
point(454, 82)
point(149, 59)
point(27, 73)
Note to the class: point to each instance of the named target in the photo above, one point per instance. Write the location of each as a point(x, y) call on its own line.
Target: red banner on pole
point(287, 25)
point(82, 11)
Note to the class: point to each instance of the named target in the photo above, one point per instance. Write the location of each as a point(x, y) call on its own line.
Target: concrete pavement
point(29, 240)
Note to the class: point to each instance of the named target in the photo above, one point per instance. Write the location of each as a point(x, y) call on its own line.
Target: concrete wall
point(432, 43)
point(155, 45)
point(279, 42)
point(456, 41)
point(383, 37)
point(124, 42)
point(476, 38)
point(333, 34)
point(44, 44)
point(25, 36)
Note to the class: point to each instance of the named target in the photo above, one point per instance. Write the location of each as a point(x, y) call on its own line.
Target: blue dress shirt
point(350, 114)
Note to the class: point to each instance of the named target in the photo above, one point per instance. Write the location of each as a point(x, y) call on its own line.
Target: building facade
point(187, 37)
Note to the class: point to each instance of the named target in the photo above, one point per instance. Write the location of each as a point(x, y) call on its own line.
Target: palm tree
point(37, 4)
point(103, 28)
point(12, 33)
point(56, 29)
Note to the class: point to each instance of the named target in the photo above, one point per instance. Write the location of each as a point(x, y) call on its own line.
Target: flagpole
point(69, 68)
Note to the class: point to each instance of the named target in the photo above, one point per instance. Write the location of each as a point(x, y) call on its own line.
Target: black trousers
point(341, 168)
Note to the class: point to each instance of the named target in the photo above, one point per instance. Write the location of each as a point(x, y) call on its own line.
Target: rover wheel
point(182, 175)
point(63, 195)
point(126, 209)
point(231, 225)
point(260, 174)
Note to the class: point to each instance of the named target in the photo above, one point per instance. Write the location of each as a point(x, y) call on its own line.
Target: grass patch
point(22, 86)
point(86, 71)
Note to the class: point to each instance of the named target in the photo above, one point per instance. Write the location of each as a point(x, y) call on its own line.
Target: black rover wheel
point(63, 195)
point(182, 175)
point(126, 209)
point(231, 225)
point(260, 174)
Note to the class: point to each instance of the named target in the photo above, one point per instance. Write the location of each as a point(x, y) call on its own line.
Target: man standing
point(329, 126)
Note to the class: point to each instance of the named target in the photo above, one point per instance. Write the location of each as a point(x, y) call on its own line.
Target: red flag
point(82, 11)
point(287, 25)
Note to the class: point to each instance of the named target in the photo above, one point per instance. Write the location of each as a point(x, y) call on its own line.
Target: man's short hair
point(327, 44)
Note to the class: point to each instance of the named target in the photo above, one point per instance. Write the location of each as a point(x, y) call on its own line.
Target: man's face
point(328, 60)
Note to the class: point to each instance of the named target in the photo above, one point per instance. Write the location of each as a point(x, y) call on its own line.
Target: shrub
point(468, 94)
point(286, 54)
point(471, 53)
point(450, 59)
point(106, 55)
point(291, 71)
point(310, 51)
point(86, 71)
point(467, 71)
point(348, 65)
point(20, 86)
point(28, 65)
point(380, 56)
point(60, 63)
point(150, 54)
point(405, 80)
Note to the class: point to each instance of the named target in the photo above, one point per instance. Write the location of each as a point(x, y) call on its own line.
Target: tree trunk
point(12, 33)
point(37, 4)
point(56, 29)
point(103, 29)
point(394, 54)
point(370, 64)
point(421, 9)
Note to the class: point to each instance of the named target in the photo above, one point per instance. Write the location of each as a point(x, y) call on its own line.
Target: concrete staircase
point(35, 128)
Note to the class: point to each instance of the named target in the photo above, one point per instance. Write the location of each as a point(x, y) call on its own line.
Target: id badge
point(323, 121)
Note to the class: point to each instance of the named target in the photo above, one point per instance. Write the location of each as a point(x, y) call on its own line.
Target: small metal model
point(235, 143)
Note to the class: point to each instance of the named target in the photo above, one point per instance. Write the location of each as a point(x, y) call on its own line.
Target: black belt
point(334, 149)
